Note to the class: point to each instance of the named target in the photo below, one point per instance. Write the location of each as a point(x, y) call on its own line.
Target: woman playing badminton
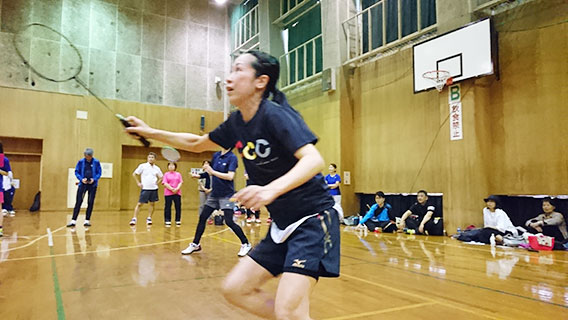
point(279, 154)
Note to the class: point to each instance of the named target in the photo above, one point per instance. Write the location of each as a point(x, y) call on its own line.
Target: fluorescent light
point(220, 2)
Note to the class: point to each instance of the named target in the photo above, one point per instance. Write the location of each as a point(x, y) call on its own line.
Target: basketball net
point(439, 77)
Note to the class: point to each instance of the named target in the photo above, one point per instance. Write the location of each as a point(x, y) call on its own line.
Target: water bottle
point(459, 230)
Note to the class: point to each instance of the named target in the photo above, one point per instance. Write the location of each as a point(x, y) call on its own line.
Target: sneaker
point(133, 222)
point(249, 220)
point(168, 224)
point(269, 220)
point(12, 213)
point(191, 248)
point(71, 224)
point(257, 221)
point(245, 248)
point(178, 223)
point(4, 212)
point(87, 223)
point(148, 221)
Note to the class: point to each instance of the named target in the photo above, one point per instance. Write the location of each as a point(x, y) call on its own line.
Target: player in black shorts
point(279, 155)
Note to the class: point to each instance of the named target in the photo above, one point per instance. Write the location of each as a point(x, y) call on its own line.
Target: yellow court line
point(225, 240)
point(358, 315)
point(33, 241)
point(113, 249)
point(444, 303)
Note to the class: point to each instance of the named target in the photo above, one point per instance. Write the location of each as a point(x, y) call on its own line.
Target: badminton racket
point(170, 154)
point(60, 59)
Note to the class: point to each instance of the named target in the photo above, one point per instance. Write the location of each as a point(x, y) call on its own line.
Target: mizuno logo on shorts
point(299, 263)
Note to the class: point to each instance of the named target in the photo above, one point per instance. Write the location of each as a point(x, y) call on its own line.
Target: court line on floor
point(371, 313)
point(421, 297)
point(113, 249)
point(225, 240)
point(421, 258)
point(458, 282)
point(33, 241)
point(56, 287)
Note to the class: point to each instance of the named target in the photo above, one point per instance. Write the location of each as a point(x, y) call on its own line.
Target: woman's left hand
point(254, 197)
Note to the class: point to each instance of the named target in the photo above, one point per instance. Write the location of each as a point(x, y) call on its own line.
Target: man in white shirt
point(151, 176)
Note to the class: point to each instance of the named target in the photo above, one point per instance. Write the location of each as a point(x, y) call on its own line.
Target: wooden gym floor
point(113, 271)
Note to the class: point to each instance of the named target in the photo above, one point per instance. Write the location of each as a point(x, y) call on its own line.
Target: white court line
point(35, 240)
point(49, 238)
point(112, 249)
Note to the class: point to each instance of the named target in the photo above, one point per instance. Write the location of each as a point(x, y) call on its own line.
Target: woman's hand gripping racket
point(66, 56)
point(127, 124)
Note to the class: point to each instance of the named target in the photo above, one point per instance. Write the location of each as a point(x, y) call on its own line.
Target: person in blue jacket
point(88, 171)
point(379, 215)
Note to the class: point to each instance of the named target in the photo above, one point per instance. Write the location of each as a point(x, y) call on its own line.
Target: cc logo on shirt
point(260, 149)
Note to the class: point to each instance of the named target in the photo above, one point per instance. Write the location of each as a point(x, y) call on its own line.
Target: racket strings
point(51, 56)
point(48, 53)
point(170, 154)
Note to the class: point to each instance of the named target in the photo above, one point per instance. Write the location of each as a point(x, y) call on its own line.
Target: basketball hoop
point(439, 77)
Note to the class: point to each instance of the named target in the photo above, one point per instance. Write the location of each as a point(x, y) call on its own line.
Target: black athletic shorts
point(312, 249)
point(148, 196)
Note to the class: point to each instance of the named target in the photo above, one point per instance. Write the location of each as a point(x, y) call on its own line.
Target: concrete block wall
point(165, 52)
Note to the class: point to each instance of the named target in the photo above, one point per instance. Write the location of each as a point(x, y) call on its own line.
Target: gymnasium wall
point(529, 103)
point(144, 58)
point(165, 52)
point(514, 127)
point(52, 118)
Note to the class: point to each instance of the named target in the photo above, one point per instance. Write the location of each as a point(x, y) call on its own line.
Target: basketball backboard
point(465, 53)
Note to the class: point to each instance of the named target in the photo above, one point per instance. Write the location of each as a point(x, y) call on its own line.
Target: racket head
point(55, 57)
point(170, 154)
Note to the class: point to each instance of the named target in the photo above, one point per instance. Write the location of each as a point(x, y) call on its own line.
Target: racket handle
point(140, 138)
point(143, 140)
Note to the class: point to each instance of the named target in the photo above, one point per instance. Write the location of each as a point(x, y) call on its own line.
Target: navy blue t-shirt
point(267, 144)
point(88, 173)
point(223, 163)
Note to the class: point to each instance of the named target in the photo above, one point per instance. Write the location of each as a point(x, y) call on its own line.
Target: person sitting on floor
point(549, 223)
point(379, 215)
point(496, 224)
point(419, 216)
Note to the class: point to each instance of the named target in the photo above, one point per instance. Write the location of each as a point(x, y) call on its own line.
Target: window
point(288, 5)
point(382, 22)
point(303, 55)
point(245, 26)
